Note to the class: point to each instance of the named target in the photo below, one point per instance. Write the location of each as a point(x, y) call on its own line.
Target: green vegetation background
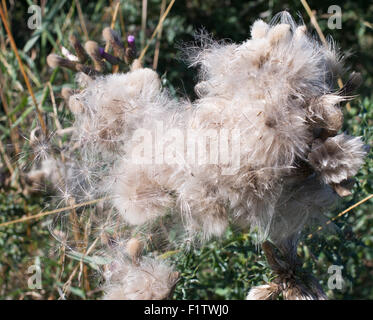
point(222, 269)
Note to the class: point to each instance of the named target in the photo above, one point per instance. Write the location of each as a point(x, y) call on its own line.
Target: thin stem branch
point(143, 22)
point(159, 36)
point(160, 23)
point(46, 213)
point(342, 213)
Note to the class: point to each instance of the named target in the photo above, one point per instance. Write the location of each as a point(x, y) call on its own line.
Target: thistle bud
point(93, 50)
point(75, 43)
point(131, 49)
point(55, 61)
point(110, 36)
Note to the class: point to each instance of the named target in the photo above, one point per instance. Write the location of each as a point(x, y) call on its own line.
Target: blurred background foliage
point(223, 269)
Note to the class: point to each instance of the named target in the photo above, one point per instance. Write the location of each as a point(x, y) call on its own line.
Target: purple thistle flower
point(131, 41)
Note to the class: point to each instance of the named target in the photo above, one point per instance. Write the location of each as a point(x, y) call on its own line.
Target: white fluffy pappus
point(263, 292)
point(275, 89)
point(277, 93)
point(337, 158)
point(111, 107)
point(147, 279)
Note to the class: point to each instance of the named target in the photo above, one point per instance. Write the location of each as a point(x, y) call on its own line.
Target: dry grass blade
point(73, 273)
point(29, 88)
point(113, 19)
point(160, 23)
point(122, 25)
point(143, 22)
point(314, 21)
point(81, 18)
point(115, 15)
point(158, 44)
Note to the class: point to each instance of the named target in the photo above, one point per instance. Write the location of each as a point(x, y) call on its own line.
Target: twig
point(342, 213)
point(314, 21)
point(43, 214)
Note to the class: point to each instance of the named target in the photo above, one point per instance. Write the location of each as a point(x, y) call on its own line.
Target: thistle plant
point(272, 159)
